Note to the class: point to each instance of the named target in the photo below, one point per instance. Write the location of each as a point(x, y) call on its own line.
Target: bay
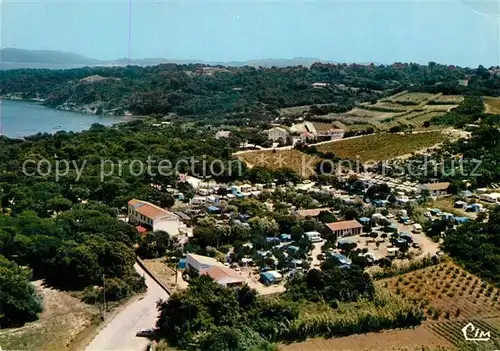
point(20, 119)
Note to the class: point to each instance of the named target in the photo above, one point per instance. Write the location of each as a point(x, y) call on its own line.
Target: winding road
point(119, 333)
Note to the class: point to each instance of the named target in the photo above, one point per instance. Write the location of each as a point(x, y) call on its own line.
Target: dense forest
point(236, 93)
point(66, 230)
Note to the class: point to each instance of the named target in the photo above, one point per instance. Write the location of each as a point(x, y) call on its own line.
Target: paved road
point(119, 334)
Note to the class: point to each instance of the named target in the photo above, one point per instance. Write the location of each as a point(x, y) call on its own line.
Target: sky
point(459, 32)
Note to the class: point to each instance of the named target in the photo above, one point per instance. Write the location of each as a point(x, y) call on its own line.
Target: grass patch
point(492, 105)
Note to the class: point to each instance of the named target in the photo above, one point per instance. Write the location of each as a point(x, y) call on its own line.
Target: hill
point(12, 55)
point(14, 58)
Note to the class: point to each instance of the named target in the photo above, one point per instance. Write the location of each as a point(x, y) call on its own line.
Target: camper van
point(315, 237)
point(417, 228)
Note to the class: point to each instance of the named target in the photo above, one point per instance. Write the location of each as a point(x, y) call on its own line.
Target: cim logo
point(472, 333)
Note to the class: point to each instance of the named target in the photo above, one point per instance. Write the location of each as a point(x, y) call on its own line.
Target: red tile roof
point(223, 275)
point(437, 186)
point(148, 210)
point(343, 225)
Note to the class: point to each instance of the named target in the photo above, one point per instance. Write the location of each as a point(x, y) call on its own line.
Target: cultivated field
point(276, 159)
point(411, 109)
point(449, 99)
point(63, 324)
point(451, 298)
point(379, 147)
point(412, 98)
point(492, 105)
point(390, 340)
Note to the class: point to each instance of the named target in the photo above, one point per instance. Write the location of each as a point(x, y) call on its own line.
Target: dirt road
point(119, 333)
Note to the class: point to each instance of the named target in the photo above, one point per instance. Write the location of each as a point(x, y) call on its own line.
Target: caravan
point(314, 236)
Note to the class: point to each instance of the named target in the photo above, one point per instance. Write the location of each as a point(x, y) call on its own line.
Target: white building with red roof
point(148, 215)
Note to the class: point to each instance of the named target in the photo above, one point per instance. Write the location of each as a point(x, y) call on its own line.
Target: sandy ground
point(119, 333)
point(428, 247)
point(166, 274)
point(64, 321)
point(407, 339)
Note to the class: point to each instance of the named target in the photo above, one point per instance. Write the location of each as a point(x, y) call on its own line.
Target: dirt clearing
point(64, 322)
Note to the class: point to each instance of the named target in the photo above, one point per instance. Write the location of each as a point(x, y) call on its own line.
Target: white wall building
point(151, 216)
point(277, 133)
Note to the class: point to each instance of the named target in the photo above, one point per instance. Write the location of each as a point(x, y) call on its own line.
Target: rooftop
point(343, 225)
point(437, 186)
point(223, 275)
point(204, 259)
point(148, 209)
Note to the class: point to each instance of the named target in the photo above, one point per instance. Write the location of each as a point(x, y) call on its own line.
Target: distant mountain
point(20, 58)
point(11, 55)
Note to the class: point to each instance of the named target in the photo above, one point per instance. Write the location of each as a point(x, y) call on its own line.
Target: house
point(333, 133)
point(270, 277)
point(224, 276)
point(198, 263)
point(345, 228)
point(151, 216)
point(320, 85)
point(222, 134)
point(436, 189)
point(277, 133)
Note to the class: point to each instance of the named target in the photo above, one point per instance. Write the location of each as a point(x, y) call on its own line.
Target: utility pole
point(104, 294)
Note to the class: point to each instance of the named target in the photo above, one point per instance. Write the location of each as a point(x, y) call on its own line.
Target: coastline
point(85, 109)
point(21, 118)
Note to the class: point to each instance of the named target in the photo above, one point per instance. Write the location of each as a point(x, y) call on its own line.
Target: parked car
point(146, 333)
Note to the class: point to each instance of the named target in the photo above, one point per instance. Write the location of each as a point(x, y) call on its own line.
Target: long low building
point(224, 276)
point(345, 228)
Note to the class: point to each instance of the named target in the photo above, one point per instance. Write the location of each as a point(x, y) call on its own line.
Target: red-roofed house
point(147, 215)
point(345, 228)
point(224, 276)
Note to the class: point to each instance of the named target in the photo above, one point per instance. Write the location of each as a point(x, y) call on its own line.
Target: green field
point(379, 147)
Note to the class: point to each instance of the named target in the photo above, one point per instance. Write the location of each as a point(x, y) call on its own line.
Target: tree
point(166, 200)
point(19, 302)
point(297, 233)
point(186, 189)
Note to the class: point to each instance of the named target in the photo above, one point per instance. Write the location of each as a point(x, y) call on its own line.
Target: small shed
point(182, 263)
